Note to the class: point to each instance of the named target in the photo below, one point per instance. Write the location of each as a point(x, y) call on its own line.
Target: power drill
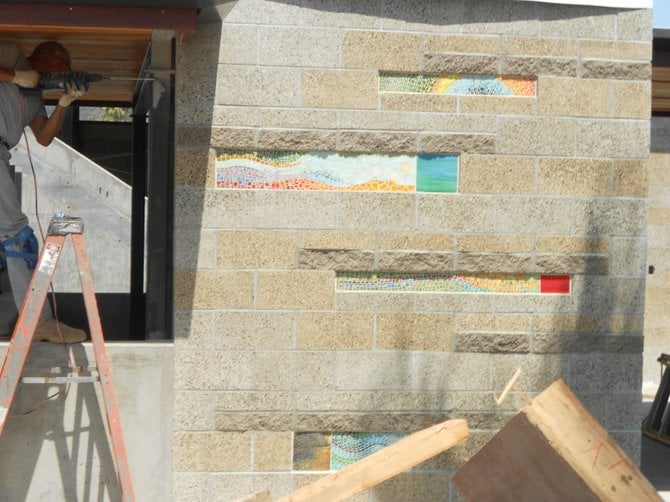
point(58, 80)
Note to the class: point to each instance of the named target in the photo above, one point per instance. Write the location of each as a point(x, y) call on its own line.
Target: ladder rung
point(61, 379)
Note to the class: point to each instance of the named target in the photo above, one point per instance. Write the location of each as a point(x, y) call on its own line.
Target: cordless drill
point(58, 80)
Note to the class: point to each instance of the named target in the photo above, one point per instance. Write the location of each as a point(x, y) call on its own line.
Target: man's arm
point(46, 129)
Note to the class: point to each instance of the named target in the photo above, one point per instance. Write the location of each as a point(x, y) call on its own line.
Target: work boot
point(47, 331)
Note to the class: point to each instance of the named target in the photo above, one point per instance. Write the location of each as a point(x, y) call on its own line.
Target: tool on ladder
point(657, 423)
point(60, 227)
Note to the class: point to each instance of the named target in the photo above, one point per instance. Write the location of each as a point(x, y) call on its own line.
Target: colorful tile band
point(454, 283)
point(272, 170)
point(459, 84)
point(318, 451)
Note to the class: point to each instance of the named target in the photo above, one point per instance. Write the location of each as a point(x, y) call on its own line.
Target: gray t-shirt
point(18, 107)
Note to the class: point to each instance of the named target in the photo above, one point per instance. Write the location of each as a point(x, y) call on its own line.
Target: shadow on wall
point(68, 431)
point(518, 17)
point(197, 64)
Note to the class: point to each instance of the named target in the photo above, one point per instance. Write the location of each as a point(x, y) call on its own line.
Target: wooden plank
point(553, 450)
point(383, 464)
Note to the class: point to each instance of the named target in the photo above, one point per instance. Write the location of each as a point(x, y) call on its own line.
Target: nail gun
point(59, 80)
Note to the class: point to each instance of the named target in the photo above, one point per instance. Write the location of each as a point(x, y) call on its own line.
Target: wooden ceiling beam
point(182, 21)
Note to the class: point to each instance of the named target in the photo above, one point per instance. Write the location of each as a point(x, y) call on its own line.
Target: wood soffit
point(109, 40)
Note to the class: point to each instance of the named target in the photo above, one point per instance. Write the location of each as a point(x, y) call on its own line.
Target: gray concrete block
point(378, 120)
point(428, 16)
point(238, 45)
point(537, 136)
point(376, 211)
point(520, 215)
point(628, 257)
point(350, 14)
point(414, 262)
point(300, 140)
point(572, 264)
point(379, 142)
point(570, 21)
point(276, 209)
point(461, 64)
point(635, 24)
point(455, 213)
point(494, 263)
point(249, 86)
point(605, 372)
point(451, 371)
point(614, 217)
point(528, 66)
point(564, 343)
point(491, 16)
point(492, 342)
point(193, 370)
point(615, 70)
point(613, 139)
point(217, 208)
point(457, 143)
point(372, 370)
point(300, 47)
point(256, 330)
point(351, 260)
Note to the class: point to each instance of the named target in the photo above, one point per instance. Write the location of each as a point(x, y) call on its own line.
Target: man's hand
point(26, 78)
point(73, 90)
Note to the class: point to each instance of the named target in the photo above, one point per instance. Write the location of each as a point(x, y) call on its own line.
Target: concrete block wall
point(266, 347)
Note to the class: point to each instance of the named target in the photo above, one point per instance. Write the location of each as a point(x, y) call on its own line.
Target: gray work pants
point(12, 221)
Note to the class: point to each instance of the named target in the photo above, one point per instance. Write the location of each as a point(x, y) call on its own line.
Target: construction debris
point(553, 450)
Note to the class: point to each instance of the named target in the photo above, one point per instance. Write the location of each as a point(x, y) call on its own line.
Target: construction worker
point(21, 105)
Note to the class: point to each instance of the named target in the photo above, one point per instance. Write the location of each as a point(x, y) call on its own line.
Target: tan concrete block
point(460, 123)
point(630, 178)
point(212, 451)
point(573, 97)
point(536, 136)
point(381, 50)
point(195, 167)
point(613, 49)
point(284, 139)
point(193, 411)
point(254, 330)
point(632, 99)
point(299, 289)
point(468, 44)
point(253, 401)
point(615, 70)
point(249, 249)
point(339, 89)
point(500, 105)
point(414, 332)
point(374, 141)
point(213, 370)
point(571, 245)
point(461, 64)
point(575, 177)
point(193, 136)
point(492, 323)
point(335, 331)
point(273, 451)
point(545, 47)
point(657, 296)
point(658, 216)
point(336, 240)
point(477, 243)
point(335, 401)
point(210, 289)
point(419, 102)
point(495, 174)
point(411, 241)
point(296, 371)
point(457, 143)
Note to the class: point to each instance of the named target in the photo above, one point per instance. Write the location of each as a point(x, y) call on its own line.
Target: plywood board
point(553, 450)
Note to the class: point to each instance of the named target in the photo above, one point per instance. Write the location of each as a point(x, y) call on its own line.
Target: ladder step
point(60, 379)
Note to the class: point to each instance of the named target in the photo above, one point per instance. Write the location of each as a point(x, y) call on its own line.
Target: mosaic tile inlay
point(316, 451)
point(459, 84)
point(454, 283)
point(336, 171)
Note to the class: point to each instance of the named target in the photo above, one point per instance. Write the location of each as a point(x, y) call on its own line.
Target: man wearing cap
point(21, 105)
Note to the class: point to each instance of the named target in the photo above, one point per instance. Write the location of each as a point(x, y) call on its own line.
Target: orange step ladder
point(60, 227)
